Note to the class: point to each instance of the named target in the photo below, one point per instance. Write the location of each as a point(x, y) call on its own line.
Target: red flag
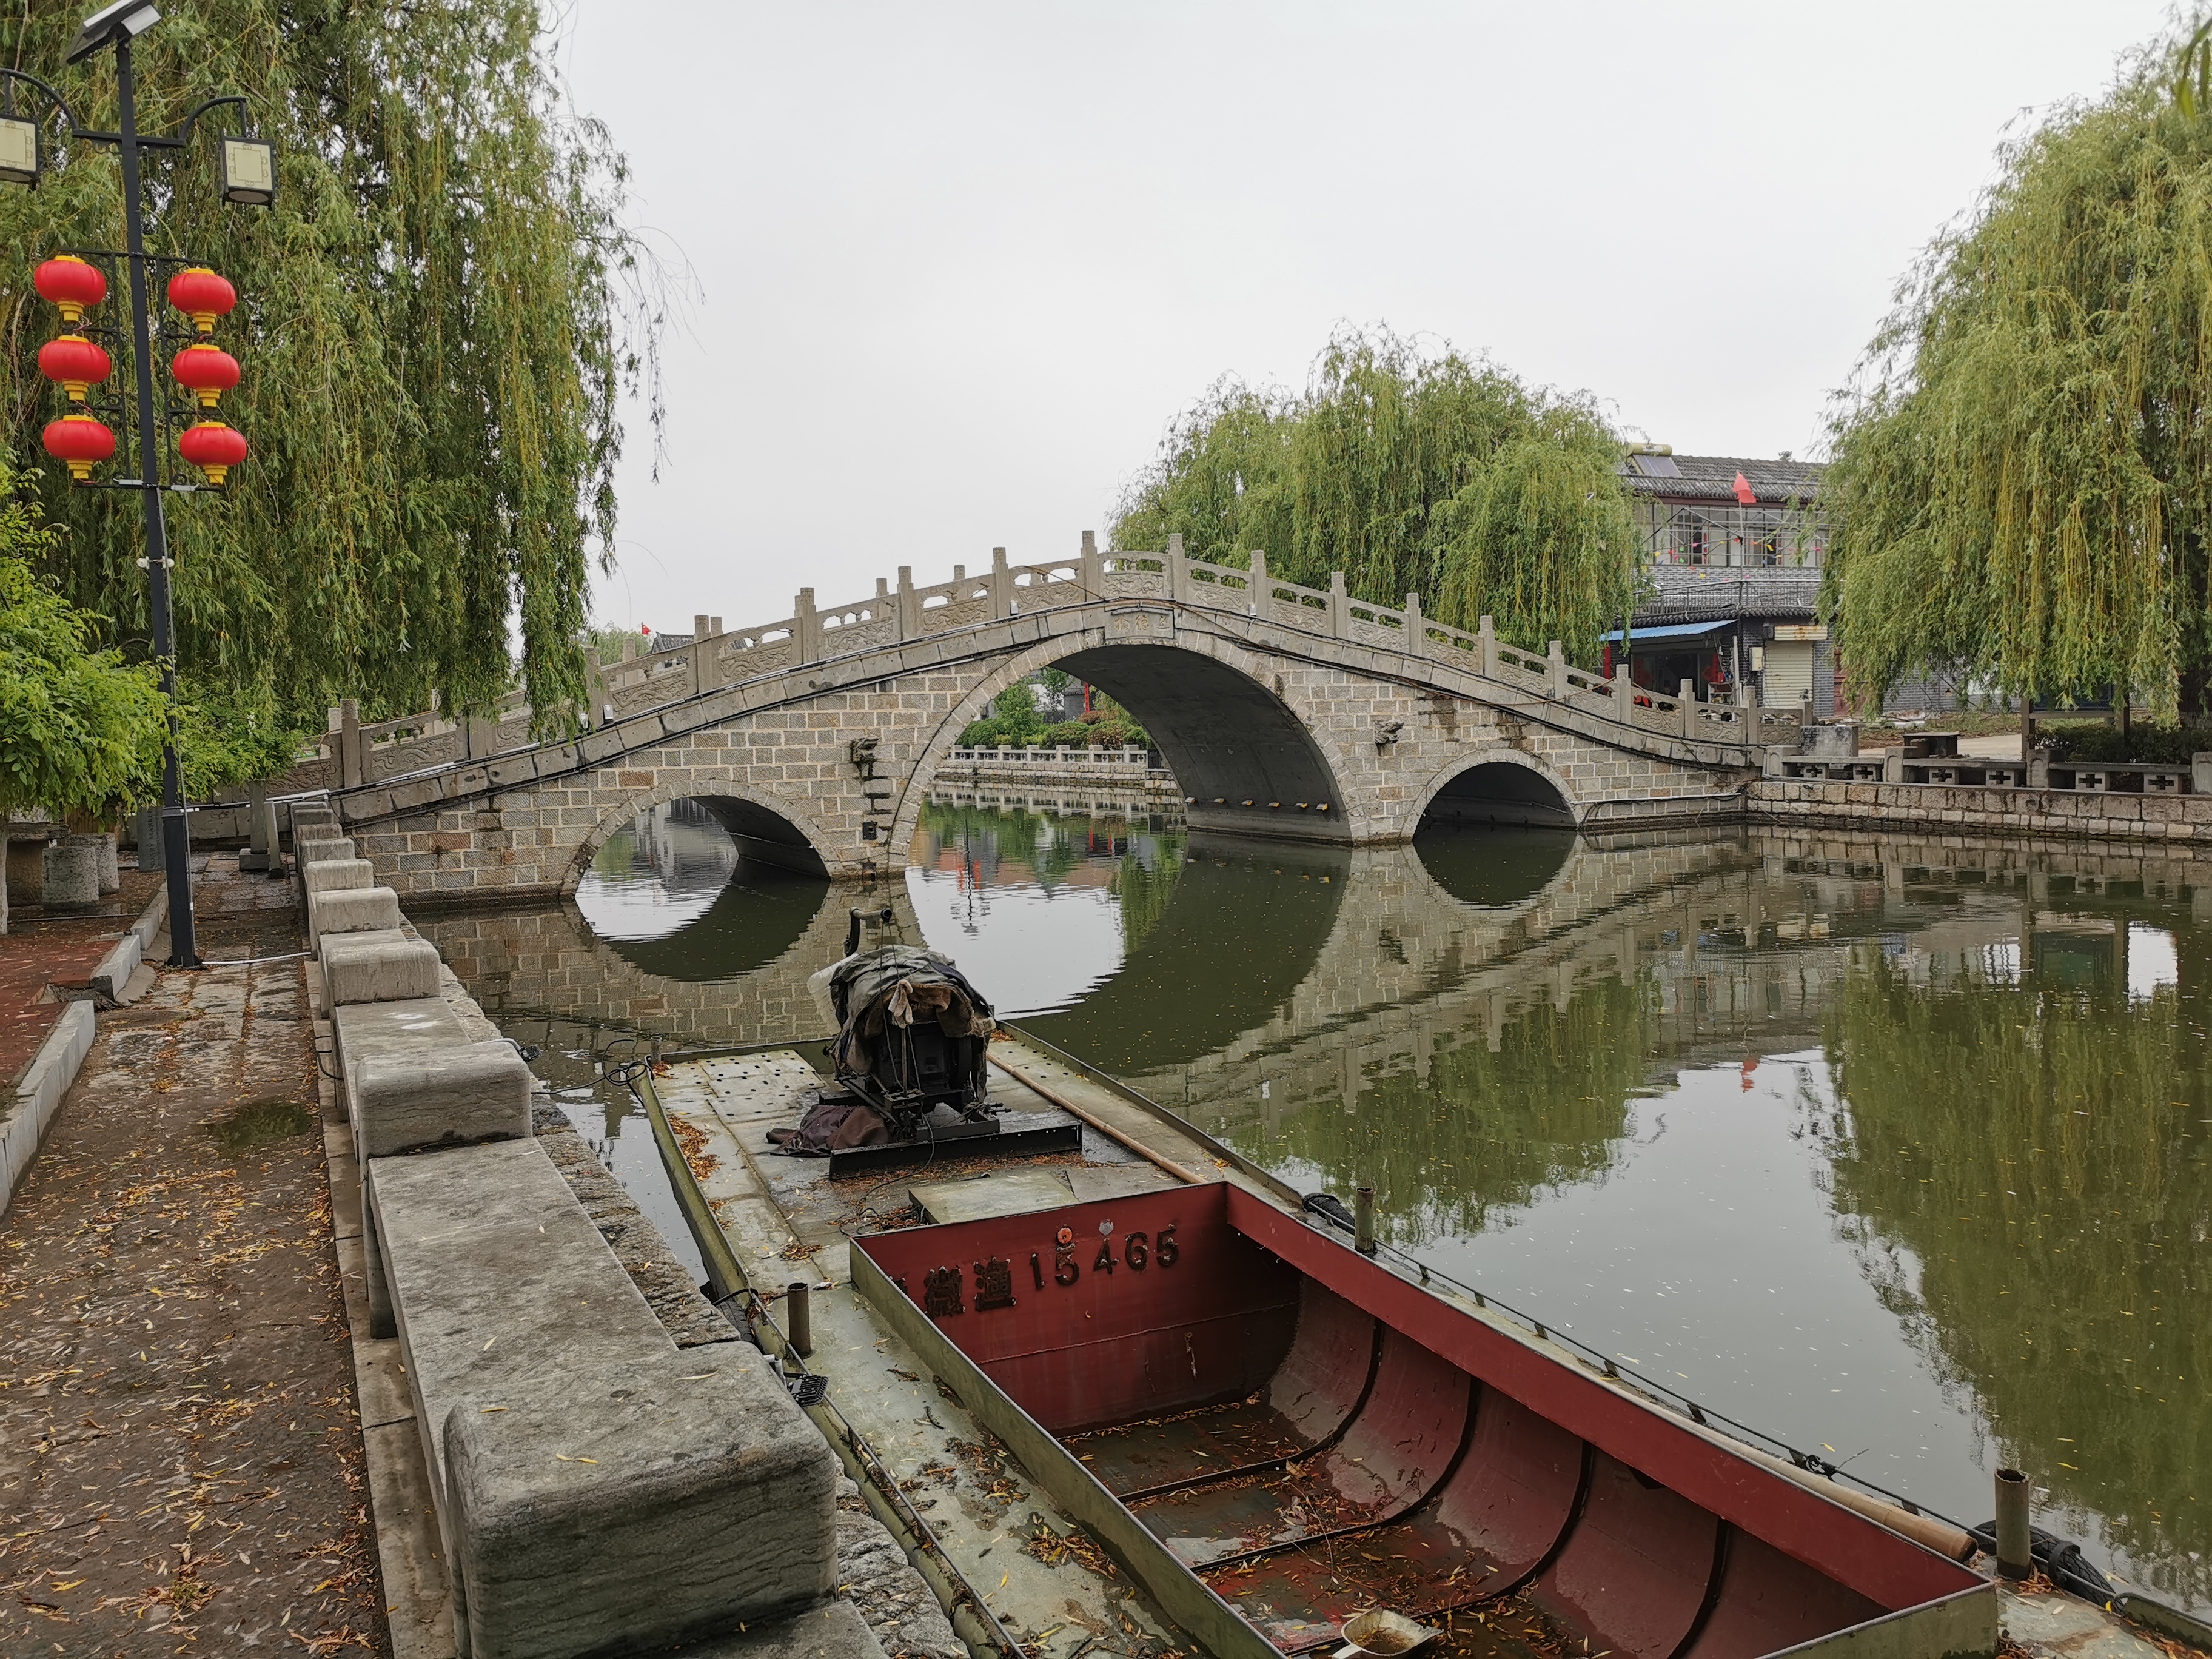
point(1744, 493)
point(644, 628)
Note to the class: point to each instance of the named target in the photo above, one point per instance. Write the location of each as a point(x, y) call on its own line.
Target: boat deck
point(786, 1219)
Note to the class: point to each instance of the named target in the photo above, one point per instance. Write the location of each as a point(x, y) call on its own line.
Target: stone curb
point(117, 965)
point(23, 1121)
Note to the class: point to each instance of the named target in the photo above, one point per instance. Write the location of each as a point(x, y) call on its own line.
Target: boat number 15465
point(941, 1287)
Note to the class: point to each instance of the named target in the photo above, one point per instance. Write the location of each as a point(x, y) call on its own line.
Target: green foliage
point(605, 644)
point(2192, 70)
point(2022, 485)
point(2160, 745)
point(2037, 1154)
point(80, 730)
point(226, 740)
point(1410, 472)
point(1014, 719)
point(1490, 1129)
point(435, 323)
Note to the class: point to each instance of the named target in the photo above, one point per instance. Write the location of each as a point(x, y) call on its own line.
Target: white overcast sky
point(959, 265)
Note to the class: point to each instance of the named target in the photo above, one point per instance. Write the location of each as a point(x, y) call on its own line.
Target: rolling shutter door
point(1788, 680)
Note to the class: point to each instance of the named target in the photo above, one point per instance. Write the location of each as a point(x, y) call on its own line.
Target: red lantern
point(80, 441)
point(209, 371)
point(75, 363)
point(71, 283)
point(213, 447)
point(202, 296)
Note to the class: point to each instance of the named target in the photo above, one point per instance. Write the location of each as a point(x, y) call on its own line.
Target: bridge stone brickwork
point(1283, 711)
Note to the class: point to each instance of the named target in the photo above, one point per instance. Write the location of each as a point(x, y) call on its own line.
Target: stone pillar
point(1417, 627)
point(353, 754)
point(260, 830)
point(1555, 668)
point(808, 632)
point(2038, 769)
point(1261, 592)
point(1002, 586)
point(2200, 774)
point(630, 648)
point(72, 870)
point(698, 629)
point(110, 877)
point(1486, 632)
point(1339, 606)
point(595, 693)
point(1689, 701)
point(715, 623)
point(882, 607)
point(1178, 570)
point(1892, 765)
point(909, 607)
point(146, 830)
point(27, 868)
point(1091, 578)
point(1624, 693)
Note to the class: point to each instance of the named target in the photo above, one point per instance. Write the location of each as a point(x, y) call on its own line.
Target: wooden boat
point(1272, 1432)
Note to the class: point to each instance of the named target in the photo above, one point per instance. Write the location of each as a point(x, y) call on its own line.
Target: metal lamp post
point(249, 177)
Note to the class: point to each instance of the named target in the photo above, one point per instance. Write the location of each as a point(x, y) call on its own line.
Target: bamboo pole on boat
point(1104, 1128)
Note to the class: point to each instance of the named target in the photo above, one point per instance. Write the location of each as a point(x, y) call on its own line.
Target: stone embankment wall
point(1967, 809)
point(583, 1421)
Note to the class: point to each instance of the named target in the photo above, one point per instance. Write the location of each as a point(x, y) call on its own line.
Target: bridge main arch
point(1251, 760)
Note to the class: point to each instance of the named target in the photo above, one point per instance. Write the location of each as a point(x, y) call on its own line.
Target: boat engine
point(912, 1034)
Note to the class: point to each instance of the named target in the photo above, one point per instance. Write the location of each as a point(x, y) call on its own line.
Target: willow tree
point(437, 319)
point(2023, 486)
point(1410, 471)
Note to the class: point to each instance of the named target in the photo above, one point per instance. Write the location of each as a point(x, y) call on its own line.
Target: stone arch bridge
point(1284, 711)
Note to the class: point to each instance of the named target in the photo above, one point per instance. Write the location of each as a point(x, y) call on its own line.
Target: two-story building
point(1733, 550)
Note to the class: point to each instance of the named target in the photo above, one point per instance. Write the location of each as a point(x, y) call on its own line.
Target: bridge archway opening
point(1499, 795)
point(1246, 764)
point(673, 890)
point(763, 835)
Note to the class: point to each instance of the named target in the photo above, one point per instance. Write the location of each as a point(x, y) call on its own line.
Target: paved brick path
point(180, 1457)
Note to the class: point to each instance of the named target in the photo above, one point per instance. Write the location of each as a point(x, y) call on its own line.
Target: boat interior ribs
point(1272, 1434)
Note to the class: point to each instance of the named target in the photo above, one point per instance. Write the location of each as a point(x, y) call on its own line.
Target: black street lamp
point(249, 177)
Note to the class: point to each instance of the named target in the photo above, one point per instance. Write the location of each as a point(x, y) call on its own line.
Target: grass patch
point(261, 1123)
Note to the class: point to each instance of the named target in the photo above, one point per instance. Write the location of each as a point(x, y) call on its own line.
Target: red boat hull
point(1272, 1432)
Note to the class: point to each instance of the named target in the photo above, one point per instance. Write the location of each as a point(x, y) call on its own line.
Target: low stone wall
point(1980, 810)
point(572, 1432)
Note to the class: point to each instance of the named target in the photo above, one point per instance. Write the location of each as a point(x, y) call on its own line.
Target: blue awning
point(1671, 631)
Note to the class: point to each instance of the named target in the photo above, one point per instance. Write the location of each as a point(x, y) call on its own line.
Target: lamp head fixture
point(129, 18)
point(249, 172)
point(19, 150)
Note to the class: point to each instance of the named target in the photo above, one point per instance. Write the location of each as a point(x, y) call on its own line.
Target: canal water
point(1898, 1150)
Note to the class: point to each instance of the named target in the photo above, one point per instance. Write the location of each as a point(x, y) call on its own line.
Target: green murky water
point(1900, 1152)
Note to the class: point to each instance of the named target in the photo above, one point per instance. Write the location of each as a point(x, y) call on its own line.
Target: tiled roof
point(672, 642)
point(1681, 592)
point(1712, 478)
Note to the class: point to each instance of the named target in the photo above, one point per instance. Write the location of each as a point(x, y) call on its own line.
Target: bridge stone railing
point(385, 749)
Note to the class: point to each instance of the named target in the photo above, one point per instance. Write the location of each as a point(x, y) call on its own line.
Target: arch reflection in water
point(675, 894)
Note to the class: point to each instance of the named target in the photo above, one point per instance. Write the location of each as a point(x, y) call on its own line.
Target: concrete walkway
point(180, 1456)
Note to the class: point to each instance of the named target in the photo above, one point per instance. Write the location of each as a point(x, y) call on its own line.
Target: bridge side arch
point(764, 823)
point(1498, 784)
point(1243, 693)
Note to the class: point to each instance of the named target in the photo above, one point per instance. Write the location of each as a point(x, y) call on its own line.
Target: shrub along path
point(180, 1457)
